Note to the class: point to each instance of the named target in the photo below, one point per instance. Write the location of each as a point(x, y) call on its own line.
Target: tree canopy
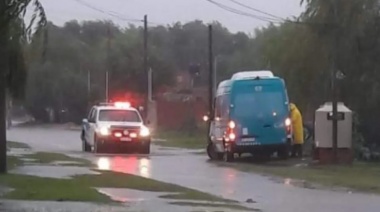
point(302, 51)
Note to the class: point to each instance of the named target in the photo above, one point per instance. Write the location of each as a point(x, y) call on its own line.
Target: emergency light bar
point(122, 104)
point(116, 104)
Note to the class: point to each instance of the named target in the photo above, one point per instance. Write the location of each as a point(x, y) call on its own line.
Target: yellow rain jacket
point(297, 124)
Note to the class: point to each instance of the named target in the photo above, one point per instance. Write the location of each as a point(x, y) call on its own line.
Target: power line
point(239, 12)
point(113, 14)
point(266, 19)
point(256, 10)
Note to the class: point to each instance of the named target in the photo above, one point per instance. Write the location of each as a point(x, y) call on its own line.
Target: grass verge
point(182, 140)
point(13, 162)
point(360, 176)
point(212, 205)
point(82, 187)
point(48, 157)
point(17, 145)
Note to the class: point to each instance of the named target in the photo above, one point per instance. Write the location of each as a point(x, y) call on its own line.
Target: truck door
point(90, 131)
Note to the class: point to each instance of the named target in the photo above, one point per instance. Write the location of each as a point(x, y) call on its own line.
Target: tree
point(11, 14)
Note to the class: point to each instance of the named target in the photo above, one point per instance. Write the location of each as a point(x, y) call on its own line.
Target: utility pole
point(334, 83)
point(215, 74)
point(108, 61)
point(150, 84)
point(211, 73)
point(146, 75)
point(3, 67)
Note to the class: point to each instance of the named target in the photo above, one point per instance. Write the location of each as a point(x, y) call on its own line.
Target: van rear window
point(264, 103)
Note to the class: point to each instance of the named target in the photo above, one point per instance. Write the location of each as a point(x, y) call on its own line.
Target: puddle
point(130, 195)
point(5, 190)
point(307, 185)
point(151, 201)
point(58, 172)
point(28, 159)
point(58, 163)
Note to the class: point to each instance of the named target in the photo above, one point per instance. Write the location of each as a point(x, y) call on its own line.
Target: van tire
point(212, 154)
point(283, 153)
point(228, 157)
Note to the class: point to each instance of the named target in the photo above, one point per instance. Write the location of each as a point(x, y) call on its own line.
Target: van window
point(222, 106)
point(259, 103)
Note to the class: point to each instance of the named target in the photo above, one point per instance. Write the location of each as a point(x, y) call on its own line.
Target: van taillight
point(231, 136)
point(288, 125)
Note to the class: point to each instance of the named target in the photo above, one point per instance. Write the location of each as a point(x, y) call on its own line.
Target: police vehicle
point(115, 125)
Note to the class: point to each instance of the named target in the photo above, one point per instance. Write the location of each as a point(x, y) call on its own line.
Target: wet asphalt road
point(191, 170)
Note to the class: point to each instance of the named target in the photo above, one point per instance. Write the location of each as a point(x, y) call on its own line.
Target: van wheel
point(283, 153)
point(228, 157)
point(212, 154)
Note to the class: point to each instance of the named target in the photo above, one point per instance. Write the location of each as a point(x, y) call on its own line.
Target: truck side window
point(90, 113)
point(218, 107)
point(93, 116)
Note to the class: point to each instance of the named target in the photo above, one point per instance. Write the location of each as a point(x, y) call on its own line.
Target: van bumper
point(235, 148)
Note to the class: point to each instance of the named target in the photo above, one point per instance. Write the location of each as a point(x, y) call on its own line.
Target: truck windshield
point(119, 116)
point(259, 104)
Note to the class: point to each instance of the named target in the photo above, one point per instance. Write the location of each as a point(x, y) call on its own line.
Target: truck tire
point(85, 146)
point(145, 149)
point(97, 146)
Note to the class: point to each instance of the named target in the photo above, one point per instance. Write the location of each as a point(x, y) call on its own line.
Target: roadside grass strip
point(362, 177)
point(182, 140)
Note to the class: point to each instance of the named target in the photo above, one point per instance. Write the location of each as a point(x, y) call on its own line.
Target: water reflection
point(104, 164)
point(128, 165)
point(229, 178)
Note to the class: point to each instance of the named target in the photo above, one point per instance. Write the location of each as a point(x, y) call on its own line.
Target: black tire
point(98, 148)
point(228, 157)
point(85, 146)
point(212, 154)
point(145, 149)
point(283, 153)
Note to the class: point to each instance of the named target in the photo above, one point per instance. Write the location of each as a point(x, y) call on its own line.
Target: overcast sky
point(170, 11)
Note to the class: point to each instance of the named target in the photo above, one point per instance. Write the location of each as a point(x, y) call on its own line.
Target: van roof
point(252, 75)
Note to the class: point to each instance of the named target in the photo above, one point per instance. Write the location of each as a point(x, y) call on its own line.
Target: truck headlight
point(144, 131)
point(104, 131)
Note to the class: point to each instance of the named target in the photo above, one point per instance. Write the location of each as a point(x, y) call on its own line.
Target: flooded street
point(189, 169)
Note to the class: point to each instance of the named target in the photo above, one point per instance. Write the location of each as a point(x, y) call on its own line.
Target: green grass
point(360, 177)
point(182, 140)
point(49, 189)
point(13, 162)
point(17, 145)
point(48, 157)
point(81, 188)
point(119, 180)
point(212, 205)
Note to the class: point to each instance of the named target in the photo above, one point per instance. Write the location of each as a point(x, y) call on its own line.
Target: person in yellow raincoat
point(297, 126)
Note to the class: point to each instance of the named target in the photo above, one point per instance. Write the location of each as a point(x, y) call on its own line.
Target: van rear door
point(260, 111)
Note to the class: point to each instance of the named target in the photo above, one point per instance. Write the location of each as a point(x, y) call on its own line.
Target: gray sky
point(170, 11)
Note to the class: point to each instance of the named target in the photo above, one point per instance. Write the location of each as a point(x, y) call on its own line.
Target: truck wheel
point(212, 154)
point(97, 146)
point(85, 146)
point(145, 149)
point(228, 157)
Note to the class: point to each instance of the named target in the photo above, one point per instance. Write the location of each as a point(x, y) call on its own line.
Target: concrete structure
point(323, 134)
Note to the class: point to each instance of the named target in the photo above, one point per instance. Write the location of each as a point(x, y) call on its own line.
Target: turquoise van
point(251, 115)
